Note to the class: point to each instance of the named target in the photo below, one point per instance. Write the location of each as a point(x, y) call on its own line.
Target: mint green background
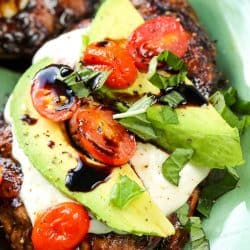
point(228, 22)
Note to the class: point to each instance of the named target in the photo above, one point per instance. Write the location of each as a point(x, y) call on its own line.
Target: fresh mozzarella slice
point(65, 49)
point(147, 163)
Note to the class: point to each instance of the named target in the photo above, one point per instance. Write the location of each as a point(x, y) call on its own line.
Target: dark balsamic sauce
point(85, 177)
point(102, 43)
point(191, 95)
point(47, 79)
point(29, 120)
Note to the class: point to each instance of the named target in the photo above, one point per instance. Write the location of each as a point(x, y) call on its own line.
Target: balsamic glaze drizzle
point(47, 79)
point(190, 93)
point(85, 178)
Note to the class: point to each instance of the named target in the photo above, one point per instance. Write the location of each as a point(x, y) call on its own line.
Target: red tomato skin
point(109, 55)
point(61, 227)
point(154, 36)
point(46, 96)
point(96, 132)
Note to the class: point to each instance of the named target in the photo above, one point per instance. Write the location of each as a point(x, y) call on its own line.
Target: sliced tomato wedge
point(109, 55)
point(51, 98)
point(61, 227)
point(93, 129)
point(155, 36)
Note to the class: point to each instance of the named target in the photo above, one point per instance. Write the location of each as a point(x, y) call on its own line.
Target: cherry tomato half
point(61, 227)
point(108, 55)
point(51, 98)
point(93, 128)
point(155, 36)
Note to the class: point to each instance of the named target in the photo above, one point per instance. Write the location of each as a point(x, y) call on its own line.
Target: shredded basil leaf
point(173, 99)
point(163, 82)
point(139, 107)
point(140, 126)
point(198, 239)
point(182, 214)
point(230, 96)
point(162, 115)
point(173, 63)
point(83, 80)
point(124, 191)
point(242, 107)
point(193, 225)
point(218, 101)
point(219, 182)
point(174, 164)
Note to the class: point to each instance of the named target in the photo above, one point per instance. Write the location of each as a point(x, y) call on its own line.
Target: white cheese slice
point(147, 163)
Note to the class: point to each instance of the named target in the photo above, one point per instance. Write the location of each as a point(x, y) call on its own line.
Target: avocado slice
point(141, 216)
point(216, 144)
point(117, 20)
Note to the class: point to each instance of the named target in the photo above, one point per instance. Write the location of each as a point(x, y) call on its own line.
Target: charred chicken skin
point(23, 33)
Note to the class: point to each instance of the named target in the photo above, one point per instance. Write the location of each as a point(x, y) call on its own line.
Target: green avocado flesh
point(141, 216)
point(117, 20)
point(216, 144)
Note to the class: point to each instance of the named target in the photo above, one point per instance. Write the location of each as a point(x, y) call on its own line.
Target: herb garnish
point(140, 126)
point(193, 225)
point(139, 107)
point(218, 101)
point(219, 182)
point(83, 80)
point(235, 111)
point(173, 165)
point(173, 99)
point(173, 63)
point(124, 191)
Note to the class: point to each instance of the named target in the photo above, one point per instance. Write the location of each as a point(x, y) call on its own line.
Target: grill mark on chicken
point(5, 139)
point(16, 224)
point(22, 34)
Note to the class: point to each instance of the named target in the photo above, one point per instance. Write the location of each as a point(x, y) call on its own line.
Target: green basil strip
point(218, 101)
point(124, 191)
point(83, 80)
point(219, 182)
point(140, 126)
point(137, 108)
point(173, 99)
point(193, 225)
point(198, 239)
point(174, 63)
point(174, 164)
